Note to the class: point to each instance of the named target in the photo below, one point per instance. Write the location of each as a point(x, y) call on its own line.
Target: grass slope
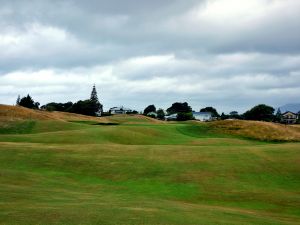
point(53, 171)
point(258, 130)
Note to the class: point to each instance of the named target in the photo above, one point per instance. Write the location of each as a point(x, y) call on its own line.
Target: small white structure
point(99, 113)
point(152, 114)
point(203, 116)
point(119, 110)
point(171, 117)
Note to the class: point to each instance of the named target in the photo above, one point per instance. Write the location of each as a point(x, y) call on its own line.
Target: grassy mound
point(14, 113)
point(257, 130)
point(20, 120)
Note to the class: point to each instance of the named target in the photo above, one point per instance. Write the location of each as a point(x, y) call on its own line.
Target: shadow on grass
point(88, 122)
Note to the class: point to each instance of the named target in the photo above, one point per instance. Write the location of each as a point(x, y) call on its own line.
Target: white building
point(202, 116)
point(119, 110)
point(171, 117)
point(152, 114)
point(289, 117)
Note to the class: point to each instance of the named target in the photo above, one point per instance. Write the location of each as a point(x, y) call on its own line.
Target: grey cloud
point(156, 51)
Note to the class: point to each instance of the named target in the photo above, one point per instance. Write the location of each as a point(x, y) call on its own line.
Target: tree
point(224, 116)
point(234, 115)
point(277, 117)
point(183, 116)
point(95, 104)
point(212, 110)
point(149, 108)
point(28, 102)
point(179, 107)
point(18, 100)
point(160, 114)
point(260, 112)
point(36, 105)
point(86, 107)
point(53, 106)
point(94, 96)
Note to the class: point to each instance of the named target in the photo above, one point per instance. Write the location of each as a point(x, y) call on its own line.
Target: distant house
point(98, 113)
point(171, 117)
point(203, 116)
point(119, 110)
point(289, 117)
point(152, 114)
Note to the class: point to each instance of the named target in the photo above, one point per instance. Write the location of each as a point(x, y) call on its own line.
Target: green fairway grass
point(138, 171)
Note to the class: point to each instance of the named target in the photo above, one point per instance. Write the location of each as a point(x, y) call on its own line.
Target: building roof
point(289, 112)
point(172, 116)
point(202, 113)
point(120, 108)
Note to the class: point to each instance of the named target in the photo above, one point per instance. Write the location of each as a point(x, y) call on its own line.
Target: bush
point(160, 114)
point(86, 107)
point(149, 109)
point(260, 112)
point(212, 110)
point(179, 107)
point(185, 116)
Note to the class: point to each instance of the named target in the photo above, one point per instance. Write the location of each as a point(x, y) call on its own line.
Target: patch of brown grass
point(258, 130)
point(15, 113)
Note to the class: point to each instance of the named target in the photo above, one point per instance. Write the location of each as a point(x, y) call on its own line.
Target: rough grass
point(141, 172)
point(16, 113)
point(264, 131)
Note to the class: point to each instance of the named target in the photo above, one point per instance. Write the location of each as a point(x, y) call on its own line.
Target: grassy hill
point(258, 130)
point(62, 168)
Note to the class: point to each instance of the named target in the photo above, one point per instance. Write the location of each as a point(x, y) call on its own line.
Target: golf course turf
point(136, 170)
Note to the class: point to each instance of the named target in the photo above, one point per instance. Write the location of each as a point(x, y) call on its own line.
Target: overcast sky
point(230, 54)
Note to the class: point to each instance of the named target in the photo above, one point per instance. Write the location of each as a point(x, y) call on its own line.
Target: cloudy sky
point(230, 54)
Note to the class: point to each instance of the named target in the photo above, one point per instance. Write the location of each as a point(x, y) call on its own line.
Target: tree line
point(93, 107)
point(184, 112)
point(90, 107)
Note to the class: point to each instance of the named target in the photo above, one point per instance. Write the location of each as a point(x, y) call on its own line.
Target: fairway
point(136, 170)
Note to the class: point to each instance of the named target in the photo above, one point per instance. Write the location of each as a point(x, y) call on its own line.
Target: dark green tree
point(94, 96)
point(95, 104)
point(277, 117)
point(260, 112)
point(160, 114)
point(149, 108)
point(18, 100)
point(85, 107)
point(27, 102)
point(224, 116)
point(183, 116)
point(212, 110)
point(53, 106)
point(234, 115)
point(179, 107)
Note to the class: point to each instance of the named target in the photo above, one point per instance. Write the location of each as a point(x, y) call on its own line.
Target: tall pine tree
point(277, 117)
point(18, 100)
point(94, 96)
point(96, 105)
